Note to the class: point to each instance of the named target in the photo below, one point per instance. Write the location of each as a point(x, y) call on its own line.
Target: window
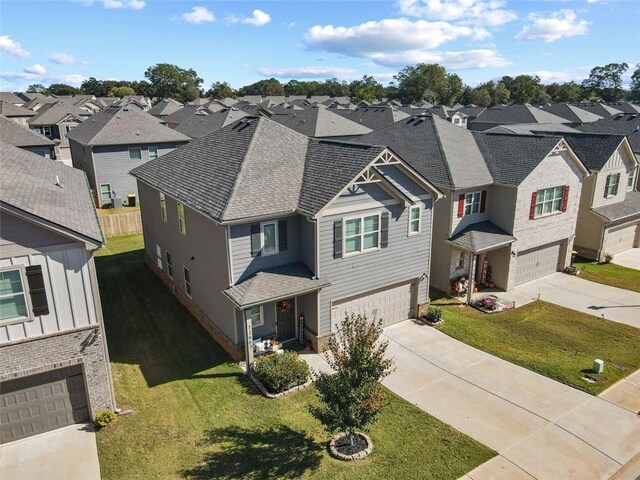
point(187, 281)
point(70, 127)
point(105, 192)
point(611, 188)
point(461, 260)
point(255, 314)
point(169, 264)
point(549, 201)
point(13, 300)
point(632, 176)
point(182, 225)
point(362, 234)
point(163, 207)
point(159, 256)
point(269, 233)
point(471, 203)
point(153, 153)
point(40, 152)
point(46, 130)
point(135, 153)
point(415, 220)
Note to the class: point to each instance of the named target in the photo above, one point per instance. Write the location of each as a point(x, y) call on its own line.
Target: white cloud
point(12, 47)
point(473, 12)
point(258, 19)
point(308, 72)
point(71, 79)
point(64, 59)
point(198, 15)
point(562, 24)
point(36, 68)
point(462, 60)
point(389, 35)
point(575, 74)
point(115, 4)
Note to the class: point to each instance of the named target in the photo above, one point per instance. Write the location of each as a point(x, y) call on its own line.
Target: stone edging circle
point(348, 458)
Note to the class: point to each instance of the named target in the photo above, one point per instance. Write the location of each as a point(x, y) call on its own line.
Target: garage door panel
point(538, 262)
point(620, 239)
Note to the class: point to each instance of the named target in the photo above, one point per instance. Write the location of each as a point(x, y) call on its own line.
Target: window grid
point(255, 314)
point(13, 298)
point(362, 234)
point(169, 264)
point(612, 184)
point(46, 130)
point(163, 207)
point(182, 224)
point(471, 203)
point(135, 153)
point(105, 191)
point(187, 281)
point(549, 201)
point(153, 153)
point(632, 175)
point(414, 220)
point(269, 234)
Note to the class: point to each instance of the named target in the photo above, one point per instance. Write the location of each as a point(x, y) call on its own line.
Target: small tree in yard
point(353, 396)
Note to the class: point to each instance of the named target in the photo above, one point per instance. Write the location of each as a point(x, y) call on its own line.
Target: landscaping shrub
point(280, 372)
point(434, 314)
point(104, 418)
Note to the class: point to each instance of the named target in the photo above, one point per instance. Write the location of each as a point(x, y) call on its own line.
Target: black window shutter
point(256, 244)
point(384, 229)
point(282, 236)
point(606, 186)
point(615, 192)
point(337, 239)
point(37, 290)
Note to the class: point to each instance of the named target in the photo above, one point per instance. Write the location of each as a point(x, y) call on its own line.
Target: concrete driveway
point(573, 292)
point(68, 453)
point(630, 258)
point(542, 429)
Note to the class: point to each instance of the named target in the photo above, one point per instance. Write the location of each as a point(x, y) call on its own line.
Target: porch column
point(472, 271)
point(248, 340)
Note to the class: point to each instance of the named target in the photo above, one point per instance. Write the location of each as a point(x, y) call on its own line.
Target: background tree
point(526, 89)
point(334, 88)
point(36, 88)
point(93, 86)
point(634, 90)
point(268, 87)
point(367, 89)
point(219, 91)
point(569, 92)
point(422, 82)
point(172, 81)
point(352, 397)
point(121, 92)
point(62, 89)
point(606, 81)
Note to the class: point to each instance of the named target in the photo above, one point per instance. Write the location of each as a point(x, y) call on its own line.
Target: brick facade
point(49, 352)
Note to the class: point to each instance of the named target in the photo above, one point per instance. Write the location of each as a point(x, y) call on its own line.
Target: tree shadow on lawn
point(147, 326)
point(278, 452)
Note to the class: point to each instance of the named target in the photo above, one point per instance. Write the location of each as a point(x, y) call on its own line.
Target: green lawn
point(196, 416)
point(609, 274)
point(549, 339)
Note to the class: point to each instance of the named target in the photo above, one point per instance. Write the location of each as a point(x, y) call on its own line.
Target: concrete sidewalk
point(572, 292)
point(629, 259)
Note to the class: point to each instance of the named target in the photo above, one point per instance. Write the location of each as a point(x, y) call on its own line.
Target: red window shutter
point(461, 206)
point(483, 201)
point(532, 210)
point(565, 198)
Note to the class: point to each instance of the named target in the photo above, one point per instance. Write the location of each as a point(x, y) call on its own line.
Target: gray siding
point(203, 251)
point(82, 159)
point(441, 251)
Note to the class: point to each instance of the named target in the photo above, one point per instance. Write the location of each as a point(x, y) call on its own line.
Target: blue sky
point(245, 41)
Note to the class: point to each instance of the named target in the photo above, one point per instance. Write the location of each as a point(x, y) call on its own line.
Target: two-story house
point(264, 233)
point(511, 202)
point(609, 217)
point(54, 364)
point(110, 143)
point(20, 136)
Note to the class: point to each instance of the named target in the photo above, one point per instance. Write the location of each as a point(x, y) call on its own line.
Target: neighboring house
point(165, 107)
point(110, 143)
point(135, 101)
point(197, 126)
point(16, 113)
point(516, 113)
point(11, 98)
point(264, 233)
point(319, 122)
point(373, 117)
point(609, 217)
point(601, 109)
point(576, 115)
point(627, 124)
point(21, 137)
point(532, 128)
point(626, 107)
point(511, 202)
point(54, 121)
point(54, 364)
point(183, 113)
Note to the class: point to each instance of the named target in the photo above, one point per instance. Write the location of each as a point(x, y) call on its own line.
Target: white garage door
point(538, 262)
point(620, 239)
point(393, 305)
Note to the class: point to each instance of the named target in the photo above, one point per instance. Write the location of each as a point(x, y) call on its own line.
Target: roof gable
point(19, 136)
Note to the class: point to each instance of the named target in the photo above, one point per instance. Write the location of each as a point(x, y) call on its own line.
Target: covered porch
point(273, 306)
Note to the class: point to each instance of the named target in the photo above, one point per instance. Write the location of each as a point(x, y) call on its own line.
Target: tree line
point(422, 82)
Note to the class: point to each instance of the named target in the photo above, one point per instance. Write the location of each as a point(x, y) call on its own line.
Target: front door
point(286, 319)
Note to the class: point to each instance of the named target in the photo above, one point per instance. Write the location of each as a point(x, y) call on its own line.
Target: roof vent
point(58, 184)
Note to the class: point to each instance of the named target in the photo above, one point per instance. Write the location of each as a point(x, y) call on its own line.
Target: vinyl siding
point(82, 159)
point(441, 251)
point(618, 163)
point(589, 225)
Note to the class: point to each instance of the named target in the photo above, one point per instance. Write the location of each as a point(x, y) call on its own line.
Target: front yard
point(551, 340)
point(609, 274)
point(196, 416)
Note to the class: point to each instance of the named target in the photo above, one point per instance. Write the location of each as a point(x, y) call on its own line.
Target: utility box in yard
point(598, 366)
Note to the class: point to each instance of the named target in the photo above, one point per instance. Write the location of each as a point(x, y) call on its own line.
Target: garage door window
point(362, 234)
point(13, 299)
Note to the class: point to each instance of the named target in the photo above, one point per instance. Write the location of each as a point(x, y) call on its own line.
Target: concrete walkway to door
point(69, 453)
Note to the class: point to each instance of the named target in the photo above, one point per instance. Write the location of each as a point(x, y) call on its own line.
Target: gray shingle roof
point(320, 122)
point(51, 114)
point(593, 149)
point(374, 117)
point(271, 284)
point(123, 126)
point(511, 158)
point(19, 136)
point(623, 124)
point(28, 182)
point(571, 112)
point(517, 113)
point(164, 107)
point(626, 107)
point(532, 128)
point(11, 98)
point(628, 209)
point(481, 237)
point(197, 126)
point(11, 110)
point(599, 109)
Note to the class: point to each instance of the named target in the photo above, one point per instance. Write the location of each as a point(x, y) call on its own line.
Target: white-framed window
point(415, 219)
point(549, 201)
point(13, 297)
point(163, 207)
point(135, 153)
point(269, 236)
point(461, 260)
point(105, 192)
point(46, 130)
point(159, 256)
point(182, 224)
point(187, 281)
point(68, 128)
point(169, 264)
point(632, 176)
point(153, 153)
point(611, 188)
point(256, 316)
point(361, 234)
point(472, 203)
point(40, 152)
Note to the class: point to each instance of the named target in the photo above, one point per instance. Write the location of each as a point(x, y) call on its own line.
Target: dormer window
point(632, 176)
point(611, 187)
